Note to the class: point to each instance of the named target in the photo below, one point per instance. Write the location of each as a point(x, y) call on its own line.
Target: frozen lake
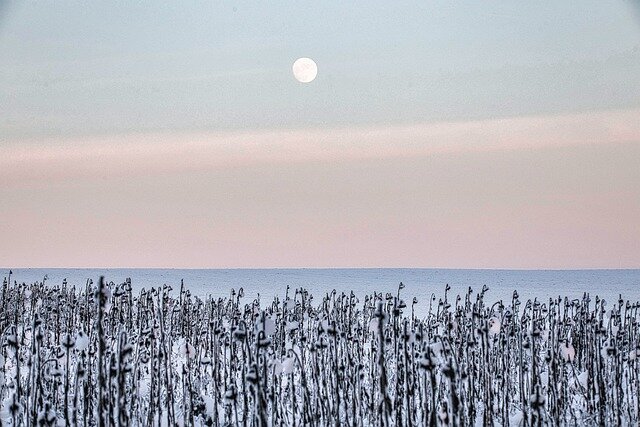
point(420, 283)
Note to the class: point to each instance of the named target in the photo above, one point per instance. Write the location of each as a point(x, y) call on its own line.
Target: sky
point(476, 134)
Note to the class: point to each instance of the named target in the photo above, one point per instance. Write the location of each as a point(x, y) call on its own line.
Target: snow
point(567, 351)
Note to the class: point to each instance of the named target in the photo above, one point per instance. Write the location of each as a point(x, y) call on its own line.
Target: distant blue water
point(420, 283)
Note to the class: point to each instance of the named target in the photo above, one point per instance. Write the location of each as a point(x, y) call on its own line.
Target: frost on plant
point(100, 355)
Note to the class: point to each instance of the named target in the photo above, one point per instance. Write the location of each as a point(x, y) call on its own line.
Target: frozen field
point(110, 353)
point(421, 283)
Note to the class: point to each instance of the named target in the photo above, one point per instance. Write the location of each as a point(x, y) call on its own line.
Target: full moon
point(305, 70)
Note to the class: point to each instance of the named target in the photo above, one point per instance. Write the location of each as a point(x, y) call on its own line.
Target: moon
point(305, 70)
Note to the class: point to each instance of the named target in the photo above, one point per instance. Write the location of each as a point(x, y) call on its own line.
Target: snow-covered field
point(115, 354)
point(421, 283)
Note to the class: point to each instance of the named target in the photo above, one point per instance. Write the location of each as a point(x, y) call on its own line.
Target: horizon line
point(332, 268)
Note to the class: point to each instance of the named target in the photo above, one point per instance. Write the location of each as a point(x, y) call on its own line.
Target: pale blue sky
point(76, 67)
point(477, 134)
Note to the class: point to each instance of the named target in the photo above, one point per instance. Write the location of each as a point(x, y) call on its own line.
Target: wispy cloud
point(143, 154)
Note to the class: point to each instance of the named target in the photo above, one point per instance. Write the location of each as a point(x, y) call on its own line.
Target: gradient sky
point(474, 134)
